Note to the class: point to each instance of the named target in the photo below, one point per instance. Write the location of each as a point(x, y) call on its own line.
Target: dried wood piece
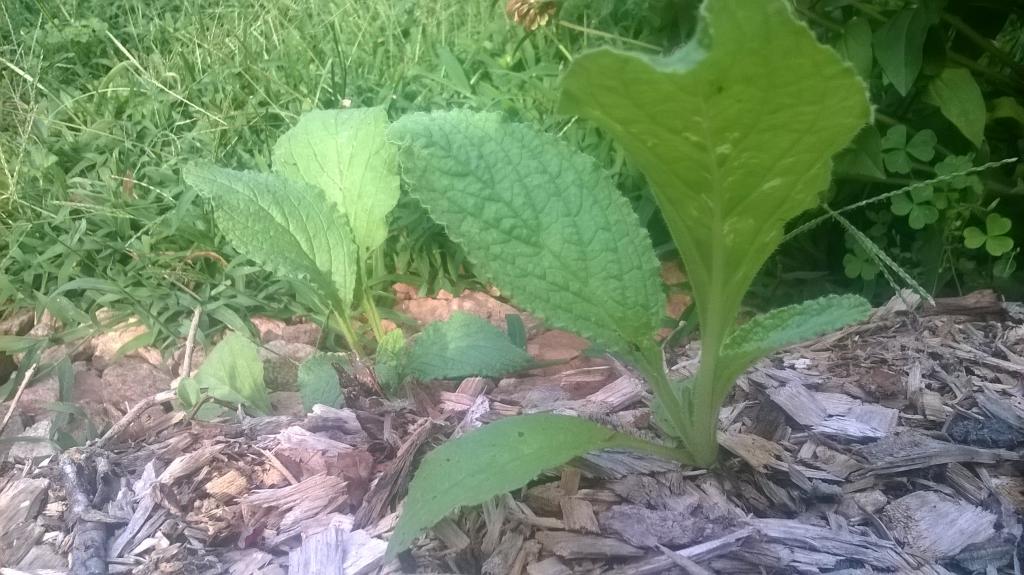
point(570, 480)
point(882, 418)
point(447, 531)
point(688, 520)
point(20, 503)
point(823, 547)
point(860, 506)
point(578, 515)
point(295, 504)
point(227, 486)
point(89, 549)
point(758, 452)
point(500, 562)
point(800, 404)
point(837, 403)
point(982, 303)
point(322, 553)
point(612, 463)
point(966, 483)
point(848, 428)
point(698, 553)
point(383, 490)
point(913, 450)
point(575, 546)
point(549, 566)
point(618, 394)
point(935, 526)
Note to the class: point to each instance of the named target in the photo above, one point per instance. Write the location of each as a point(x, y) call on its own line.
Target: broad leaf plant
point(735, 133)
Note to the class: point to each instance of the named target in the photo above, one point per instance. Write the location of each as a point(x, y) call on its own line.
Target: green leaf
point(786, 326)
point(233, 372)
point(516, 330)
point(899, 46)
point(286, 226)
point(19, 343)
point(997, 225)
point(895, 138)
point(464, 345)
point(389, 365)
point(1008, 108)
point(490, 461)
point(346, 154)
point(922, 145)
point(960, 100)
point(922, 215)
point(734, 139)
point(863, 156)
point(897, 161)
point(539, 219)
point(901, 204)
point(319, 383)
point(998, 245)
point(974, 238)
point(855, 45)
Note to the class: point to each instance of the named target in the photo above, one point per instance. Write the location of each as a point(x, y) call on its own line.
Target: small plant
point(734, 132)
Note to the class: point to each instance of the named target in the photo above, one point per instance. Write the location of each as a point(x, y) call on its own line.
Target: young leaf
point(540, 220)
point(855, 45)
point(346, 154)
point(789, 325)
point(319, 383)
point(490, 461)
point(233, 372)
point(959, 99)
point(464, 345)
point(899, 46)
point(284, 225)
point(389, 365)
point(735, 139)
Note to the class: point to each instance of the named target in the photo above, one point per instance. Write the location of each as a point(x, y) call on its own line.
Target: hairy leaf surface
point(233, 372)
point(540, 220)
point(735, 132)
point(790, 325)
point(490, 461)
point(464, 345)
point(285, 225)
point(347, 155)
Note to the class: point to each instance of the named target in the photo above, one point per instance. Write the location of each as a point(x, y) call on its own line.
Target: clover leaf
point(858, 264)
point(994, 237)
point(897, 151)
point(918, 205)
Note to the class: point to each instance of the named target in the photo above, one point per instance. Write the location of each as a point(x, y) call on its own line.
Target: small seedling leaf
point(285, 225)
point(959, 98)
point(462, 346)
point(346, 154)
point(233, 372)
point(319, 383)
point(490, 461)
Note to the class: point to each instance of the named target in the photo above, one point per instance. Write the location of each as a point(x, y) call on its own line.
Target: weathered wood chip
point(848, 428)
point(689, 520)
point(578, 515)
point(322, 553)
point(699, 553)
point(549, 566)
point(799, 403)
point(913, 450)
point(500, 562)
point(826, 547)
point(935, 526)
point(575, 546)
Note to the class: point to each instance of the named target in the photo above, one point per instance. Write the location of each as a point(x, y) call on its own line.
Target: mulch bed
point(894, 446)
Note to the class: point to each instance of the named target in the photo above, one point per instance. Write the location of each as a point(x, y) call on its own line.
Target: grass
point(103, 103)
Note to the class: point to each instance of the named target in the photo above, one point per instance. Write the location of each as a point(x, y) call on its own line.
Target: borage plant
point(735, 132)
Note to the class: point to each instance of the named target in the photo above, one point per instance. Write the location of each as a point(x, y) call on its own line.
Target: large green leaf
point(734, 131)
point(540, 220)
point(960, 100)
point(285, 225)
point(346, 154)
point(464, 345)
point(790, 325)
point(233, 372)
point(490, 461)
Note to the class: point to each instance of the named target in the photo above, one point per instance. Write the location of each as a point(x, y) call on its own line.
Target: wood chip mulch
point(894, 446)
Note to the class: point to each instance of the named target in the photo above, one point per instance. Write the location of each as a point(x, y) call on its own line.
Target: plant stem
point(636, 444)
point(653, 366)
point(982, 42)
point(344, 324)
point(372, 315)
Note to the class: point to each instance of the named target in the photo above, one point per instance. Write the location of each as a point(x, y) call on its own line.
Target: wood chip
point(574, 546)
point(578, 515)
point(799, 403)
point(913, 450)
point(935, 526)
point(826, 548)
point(549, 566)
point(320, 554)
